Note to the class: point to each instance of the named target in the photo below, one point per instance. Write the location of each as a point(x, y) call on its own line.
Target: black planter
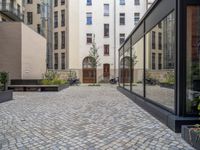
point(6, 96)
point(190, 136)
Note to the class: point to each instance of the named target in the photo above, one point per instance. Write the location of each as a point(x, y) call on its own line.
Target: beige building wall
point(10, 49)
point(23, 51)
point(59, 8)
point(33, 54)
point(73, 34)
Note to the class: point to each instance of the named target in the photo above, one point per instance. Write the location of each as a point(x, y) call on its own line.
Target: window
point(160, 41)
point(62, 61)
point(159, 61)
point(62, 18)
point(137, 67)
point(56, 40)
point(38, 8)
point(160, 25)
point(106, 30)
point(63, 39)
point(106, 49)
point(29, 1)
point(137, 2)
point(89, 2)
point(122, 2)
point(89, 18)
point(153, 40)
point(122, 18)
point(56, 61)
point(18, 9)
point(106, 9)
point(55, 19)
point(136, 18)
point(55, 3)
point(89, 38)
point(121, 38)
point(62, 2)
point(159, 64)
point(38, 28)
point(29, 18)
point(153, 61)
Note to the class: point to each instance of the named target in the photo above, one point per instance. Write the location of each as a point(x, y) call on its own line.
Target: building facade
point(23, 51)
point(38, 16)
point(11, 10)
point(106, 22)
point(60, 34)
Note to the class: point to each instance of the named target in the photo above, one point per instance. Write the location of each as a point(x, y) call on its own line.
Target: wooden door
point(106, 71)
point(89, 75)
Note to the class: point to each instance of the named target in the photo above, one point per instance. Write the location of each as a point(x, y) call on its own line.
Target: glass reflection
point(193, 60)
point(160, 62)
point(121, 64)
point(127, 69)
point(138, 67)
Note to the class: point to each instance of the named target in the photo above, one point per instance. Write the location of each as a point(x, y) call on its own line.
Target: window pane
point(89, 18)
point(106, 30)
point(106, 9)
point(138, 67)
point(121, 68)
point(89, 2)
point(122, 2)
point(160, 63)
point(121, 38)
point(127, 66)
point(193, 59)
point(136, 18)
point(122, 18)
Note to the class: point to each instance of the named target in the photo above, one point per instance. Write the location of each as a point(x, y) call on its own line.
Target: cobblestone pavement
point(82, 118)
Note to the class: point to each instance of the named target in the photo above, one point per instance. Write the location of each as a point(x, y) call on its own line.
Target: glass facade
point(159, 63)
point(158, 57)
point(193, 60)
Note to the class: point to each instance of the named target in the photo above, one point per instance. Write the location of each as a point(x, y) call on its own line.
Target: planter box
point(36, 88)
point(191, 137)
point(167, 85)
point(6, 96)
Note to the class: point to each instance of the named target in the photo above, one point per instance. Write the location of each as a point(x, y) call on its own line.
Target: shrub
point(169, 78)
point(50, 75)
point(4, 79)
point(51, 78)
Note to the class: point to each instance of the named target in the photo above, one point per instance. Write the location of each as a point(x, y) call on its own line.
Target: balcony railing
point(11, 11)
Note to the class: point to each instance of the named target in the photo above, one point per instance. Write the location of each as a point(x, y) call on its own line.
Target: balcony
point(11, 11)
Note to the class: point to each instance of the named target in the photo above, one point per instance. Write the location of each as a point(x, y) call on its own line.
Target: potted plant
point(4, 80)
point(5, 94)
point(191, 134)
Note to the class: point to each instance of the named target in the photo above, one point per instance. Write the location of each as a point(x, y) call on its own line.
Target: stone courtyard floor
point(82, 118)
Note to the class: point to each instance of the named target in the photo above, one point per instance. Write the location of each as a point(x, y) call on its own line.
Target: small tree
point(93, 54)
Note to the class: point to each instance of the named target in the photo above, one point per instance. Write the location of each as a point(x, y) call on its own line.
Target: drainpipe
point(114, 38)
